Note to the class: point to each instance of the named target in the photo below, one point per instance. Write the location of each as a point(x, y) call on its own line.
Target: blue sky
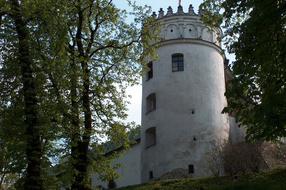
point(157, 4)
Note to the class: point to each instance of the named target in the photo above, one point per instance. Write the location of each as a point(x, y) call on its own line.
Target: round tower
point(183, 97)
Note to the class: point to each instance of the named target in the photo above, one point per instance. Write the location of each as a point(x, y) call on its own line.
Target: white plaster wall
point(200, 87)
point(190, 31)
point(130, 173)
point(175, 27)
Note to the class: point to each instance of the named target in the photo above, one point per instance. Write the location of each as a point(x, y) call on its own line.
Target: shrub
point(242, 158)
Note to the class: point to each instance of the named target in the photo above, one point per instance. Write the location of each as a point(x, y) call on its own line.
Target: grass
point(273, 180)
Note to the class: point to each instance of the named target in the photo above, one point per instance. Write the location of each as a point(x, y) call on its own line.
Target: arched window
point(177, 62)
point(150, 137)
point(150, 103)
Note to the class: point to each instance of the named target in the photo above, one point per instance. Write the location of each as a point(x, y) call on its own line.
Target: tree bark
point(80, 145)
point(75, 123)
point(33, 180)
point(82, 162)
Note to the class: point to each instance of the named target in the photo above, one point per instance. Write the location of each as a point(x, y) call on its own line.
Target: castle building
point(182, 102)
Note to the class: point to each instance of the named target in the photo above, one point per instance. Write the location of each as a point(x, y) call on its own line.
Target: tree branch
point(113, 46)
point(79, 32)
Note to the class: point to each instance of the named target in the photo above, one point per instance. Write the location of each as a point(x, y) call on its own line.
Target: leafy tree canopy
point(66, 65)
point(256, 34)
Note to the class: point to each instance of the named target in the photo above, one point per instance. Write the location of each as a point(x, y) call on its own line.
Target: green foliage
point(104, 155)
point(257, 93)
point(37, 20)
point(84, 54)
point(255, 33)
point(108, 53)
point(212, 13)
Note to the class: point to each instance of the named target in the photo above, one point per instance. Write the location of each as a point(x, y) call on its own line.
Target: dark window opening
point(195, 138)
point(193, 111)
point(190, 30)
point(191, 169)
point(171, 30)
point(150, 70)
point(151, 103)
point(151, 176)
point(177, 62)
point(150, 137)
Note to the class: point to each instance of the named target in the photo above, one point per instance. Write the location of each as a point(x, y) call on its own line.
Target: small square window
point(177, 62)
point(191, 169)
point(151, 176)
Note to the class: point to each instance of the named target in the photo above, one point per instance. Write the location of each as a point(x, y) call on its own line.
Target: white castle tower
point(183, 97)
point(182, 103)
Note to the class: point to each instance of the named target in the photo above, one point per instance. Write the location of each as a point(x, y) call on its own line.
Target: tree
point(256, 34)
point(104, 52)
point(26, 102)
point(33, 148)
point(12, 143)
point(79, 56)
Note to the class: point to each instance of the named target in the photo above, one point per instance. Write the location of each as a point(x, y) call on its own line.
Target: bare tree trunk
point(82, 161)
point(33, 180)
point(80, 150)
point(75, 124)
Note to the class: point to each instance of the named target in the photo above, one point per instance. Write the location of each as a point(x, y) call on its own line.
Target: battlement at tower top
point(186, 25)
point(180, 12)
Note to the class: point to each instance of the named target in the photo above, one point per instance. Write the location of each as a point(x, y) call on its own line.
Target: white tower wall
point(187, 118)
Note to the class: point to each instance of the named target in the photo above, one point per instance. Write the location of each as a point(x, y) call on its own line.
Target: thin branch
point(113, 46)
point(55, 85)
point(91, 30)
point(79, 32)
point(106, 73)
point(97, 25)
